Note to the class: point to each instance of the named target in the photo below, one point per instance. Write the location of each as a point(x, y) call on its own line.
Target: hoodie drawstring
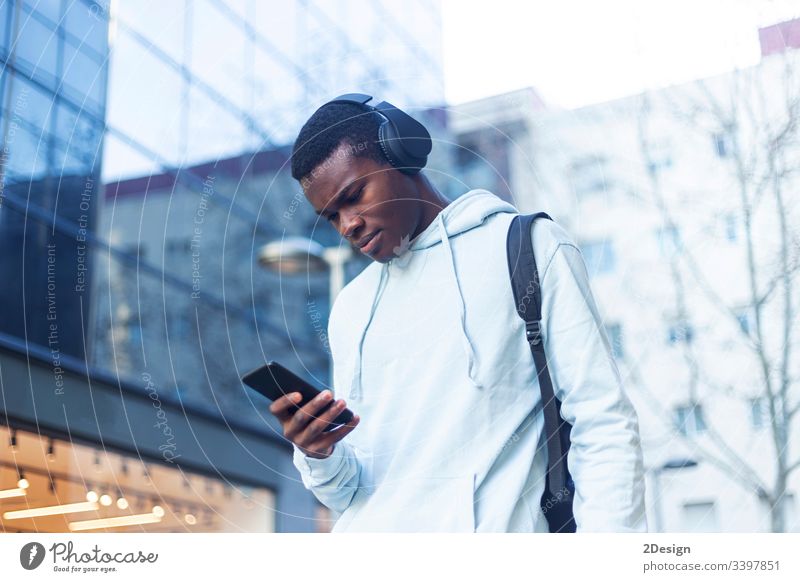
point(355, 387)
point(462, 312)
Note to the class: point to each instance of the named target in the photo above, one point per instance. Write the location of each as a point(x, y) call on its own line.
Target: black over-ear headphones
point(404, 141)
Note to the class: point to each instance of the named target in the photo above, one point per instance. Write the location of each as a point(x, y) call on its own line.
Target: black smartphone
point(274, 381)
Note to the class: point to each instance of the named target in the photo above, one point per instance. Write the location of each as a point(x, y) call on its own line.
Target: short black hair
point(329, 127)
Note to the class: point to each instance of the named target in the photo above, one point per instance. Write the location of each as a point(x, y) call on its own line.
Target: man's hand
point(304, 426)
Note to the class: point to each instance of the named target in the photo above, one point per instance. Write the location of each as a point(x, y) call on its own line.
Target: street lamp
point(297, 255)
point(671, 465)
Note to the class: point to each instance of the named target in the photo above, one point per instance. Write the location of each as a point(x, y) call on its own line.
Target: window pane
point(145, 99)
point(89, 25)
point(50, 9)
point(590, 174)
point(84, 78)
point(121, 161)
point(700, 517)
point(214, 130)
point(680, 419)
point(72, 162)
point(27, 155)
point(730, 227)
point(5, 21)
point(699, 419)
point(161, 24)
point(218, 52)
point(79, 131)
point(31, 104)
point(37, 45)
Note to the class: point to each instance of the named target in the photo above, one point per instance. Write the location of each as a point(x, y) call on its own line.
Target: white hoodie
point(429, 351)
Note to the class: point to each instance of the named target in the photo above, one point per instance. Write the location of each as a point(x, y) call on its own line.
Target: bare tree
point(753, 115)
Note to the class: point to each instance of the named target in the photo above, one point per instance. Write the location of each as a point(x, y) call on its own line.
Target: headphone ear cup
point(390, 144)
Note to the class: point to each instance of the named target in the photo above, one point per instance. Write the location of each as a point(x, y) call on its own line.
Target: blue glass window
point(31, 104)
point(730, 226)
point(84, 78)
point(50, 9)
point(759, 412)
point(89, 25)
point(78, 130)
point(690, 420)
point(37, 45)
point(5, 27)
point(72, 162)
point(680, 332)
point(27, 158)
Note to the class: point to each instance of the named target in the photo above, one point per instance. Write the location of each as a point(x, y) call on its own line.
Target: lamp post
point(671, 465)
point(298, 255)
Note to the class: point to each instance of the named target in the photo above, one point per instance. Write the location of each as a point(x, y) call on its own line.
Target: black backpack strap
point(527, 296)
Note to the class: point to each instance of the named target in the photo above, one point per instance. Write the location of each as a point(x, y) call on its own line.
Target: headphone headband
point(404, 141)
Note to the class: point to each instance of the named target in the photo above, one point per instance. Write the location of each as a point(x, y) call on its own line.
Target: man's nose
point(351, 223)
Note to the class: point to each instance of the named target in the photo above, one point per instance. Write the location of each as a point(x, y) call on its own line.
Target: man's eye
point(355, 196)
point(331, 216)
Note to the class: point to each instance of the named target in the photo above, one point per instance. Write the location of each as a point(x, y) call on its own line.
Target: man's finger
point(323, 421)
point(326, 439)
point(310, 411)
point(284, 403)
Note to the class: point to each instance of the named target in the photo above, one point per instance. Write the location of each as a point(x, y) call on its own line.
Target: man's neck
point(433, 202)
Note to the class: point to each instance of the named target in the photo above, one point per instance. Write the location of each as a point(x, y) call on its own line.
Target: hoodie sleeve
point(605, 457)
point(333, 480)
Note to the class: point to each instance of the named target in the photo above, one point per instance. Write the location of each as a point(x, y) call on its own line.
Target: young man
point(431, 355)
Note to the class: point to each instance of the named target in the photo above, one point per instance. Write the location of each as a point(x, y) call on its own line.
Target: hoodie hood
point(463, 214)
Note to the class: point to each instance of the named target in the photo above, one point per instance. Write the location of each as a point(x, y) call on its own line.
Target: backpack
point(559, 491)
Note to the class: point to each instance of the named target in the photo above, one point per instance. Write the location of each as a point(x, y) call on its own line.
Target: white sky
point(577, 52)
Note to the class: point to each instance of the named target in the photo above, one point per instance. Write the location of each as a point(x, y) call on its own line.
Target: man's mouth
point(369, 242)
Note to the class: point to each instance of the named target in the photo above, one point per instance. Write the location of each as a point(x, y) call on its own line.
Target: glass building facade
point(54, 59)
point(144, 164)
point(193, 81)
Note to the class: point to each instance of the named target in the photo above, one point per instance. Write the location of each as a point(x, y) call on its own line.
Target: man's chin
point(381, 259)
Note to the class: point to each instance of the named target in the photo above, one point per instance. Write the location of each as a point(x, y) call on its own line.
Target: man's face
point(366, 202)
